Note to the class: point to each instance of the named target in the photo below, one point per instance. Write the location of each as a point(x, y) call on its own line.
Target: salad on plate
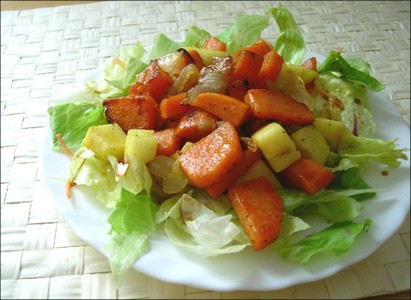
point(225, 142)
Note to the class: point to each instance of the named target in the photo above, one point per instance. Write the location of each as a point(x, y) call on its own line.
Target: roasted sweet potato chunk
point(132, 112)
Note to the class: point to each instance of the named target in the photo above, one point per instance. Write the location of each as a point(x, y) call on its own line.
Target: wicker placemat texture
point(44, 51)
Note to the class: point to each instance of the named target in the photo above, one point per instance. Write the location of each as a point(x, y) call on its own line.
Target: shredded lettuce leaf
point(361, 151)
point(86, 169)
point(346, 207)
point(132, 219)
point(202, 229)
point(72, 121)
point(133, 212)
point(355, 71)
point(123, 250)
point(290, 225)
point(243, 31)
point(337, 239)
point(351, 179)
point(120, 73)
point(290, 42)
point(195, 37)
point(163, 45)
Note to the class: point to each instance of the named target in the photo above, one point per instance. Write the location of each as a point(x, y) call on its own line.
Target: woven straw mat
point(44, 51)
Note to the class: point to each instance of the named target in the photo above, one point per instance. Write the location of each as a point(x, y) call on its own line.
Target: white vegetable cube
point(277, 146)
point(104, 140)
point(140, 145)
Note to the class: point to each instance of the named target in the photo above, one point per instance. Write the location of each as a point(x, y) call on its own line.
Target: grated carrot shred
point(121, 63)
point(64, 146)
point(69, 185)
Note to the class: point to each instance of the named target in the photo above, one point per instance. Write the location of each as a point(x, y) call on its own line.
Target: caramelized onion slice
point(213, 78)
point(187, 79)
point(174, 62)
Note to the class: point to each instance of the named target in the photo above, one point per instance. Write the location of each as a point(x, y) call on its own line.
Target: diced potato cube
point(104, 140)
point(276, 145)
point(140, 145)
point(311, 144)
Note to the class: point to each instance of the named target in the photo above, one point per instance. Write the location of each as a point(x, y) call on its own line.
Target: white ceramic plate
point(247, 270)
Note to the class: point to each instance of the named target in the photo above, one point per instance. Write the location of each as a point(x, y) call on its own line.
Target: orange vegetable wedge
point(214, 44)
point(268, 104)
point(209, 159)
point(225, 107)
point(173, 107)
point(153, 80)
point(258, 207)
point(168, 141)
point(310, 63)
point(133, 111)
point(270, 69)
point(260, 47)
point(306, 174)
point(247, 65)
point(195, 125)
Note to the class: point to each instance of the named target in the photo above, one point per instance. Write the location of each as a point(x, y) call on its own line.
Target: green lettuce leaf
point(351, 179)
point(337, 239)
point(120, 73)
point(123, 250)
point(355, 71)
point(345, 209)
point(361, 151)
point(163, 45)
point(72, 121)
point(359, 64)
point(195, 37)
point(293, 198)
point(132, 219)
point(290, 225)
point(133, 213)
point(243, 31)
point(290, 42)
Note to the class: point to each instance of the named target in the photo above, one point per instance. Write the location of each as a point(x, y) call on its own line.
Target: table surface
point(46, 45)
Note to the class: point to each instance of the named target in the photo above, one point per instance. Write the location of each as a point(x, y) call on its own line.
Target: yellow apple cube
point(104, 140)
point(140, 145)
point(276, 145)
